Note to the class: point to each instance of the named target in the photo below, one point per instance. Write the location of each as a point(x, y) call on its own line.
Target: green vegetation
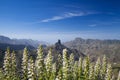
point(64, 68)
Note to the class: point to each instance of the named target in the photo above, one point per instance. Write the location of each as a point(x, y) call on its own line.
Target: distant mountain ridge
point(96, 47)
point(3, 47)
point(26, 42)
point(88, 43)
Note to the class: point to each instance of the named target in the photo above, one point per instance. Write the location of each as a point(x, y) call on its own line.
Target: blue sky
point(49, 20)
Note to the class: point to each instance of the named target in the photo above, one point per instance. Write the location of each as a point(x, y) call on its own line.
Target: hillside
point(3, 46)
point(95, 48)
point(26, 42)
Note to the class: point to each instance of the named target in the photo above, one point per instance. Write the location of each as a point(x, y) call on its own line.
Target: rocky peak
point(59, 46)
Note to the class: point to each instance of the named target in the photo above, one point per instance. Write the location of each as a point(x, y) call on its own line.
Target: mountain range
point(25, 42)
point(96, 48)
point(91, 47)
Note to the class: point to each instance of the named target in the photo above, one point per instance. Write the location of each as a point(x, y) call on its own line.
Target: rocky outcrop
point(58, 49)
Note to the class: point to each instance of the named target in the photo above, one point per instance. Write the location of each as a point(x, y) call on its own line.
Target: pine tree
point(59, 63)
point(75, 71)
point(53, 75)
point(71, 65)
point(1, 75)
point(48, 63)
point(86, 67)
point(31, 70)
point(91, 72)
point(65, 65)
point(59, 68)
point(25, 64)
point(97, 69)
point(64, 68)
point(14, 66)
point(109, 72)
point(7, 64)
point(80, 68)
point(59, 75)
point(40, 63)
point(104, 67)
point(118, 78)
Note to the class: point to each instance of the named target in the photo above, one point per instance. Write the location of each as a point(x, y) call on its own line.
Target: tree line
point(64, 68)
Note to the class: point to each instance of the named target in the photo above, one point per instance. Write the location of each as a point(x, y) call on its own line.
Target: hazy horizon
point(62, 40)
point(50, 20)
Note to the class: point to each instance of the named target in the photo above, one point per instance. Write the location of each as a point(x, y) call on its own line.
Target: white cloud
point(67, 15)
point(92, 25)
point(53, 18)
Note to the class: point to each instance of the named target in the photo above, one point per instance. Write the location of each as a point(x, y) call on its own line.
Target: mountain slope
point(95, 48)
point(3, 46)
point(26, 42)
point(58, 49)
